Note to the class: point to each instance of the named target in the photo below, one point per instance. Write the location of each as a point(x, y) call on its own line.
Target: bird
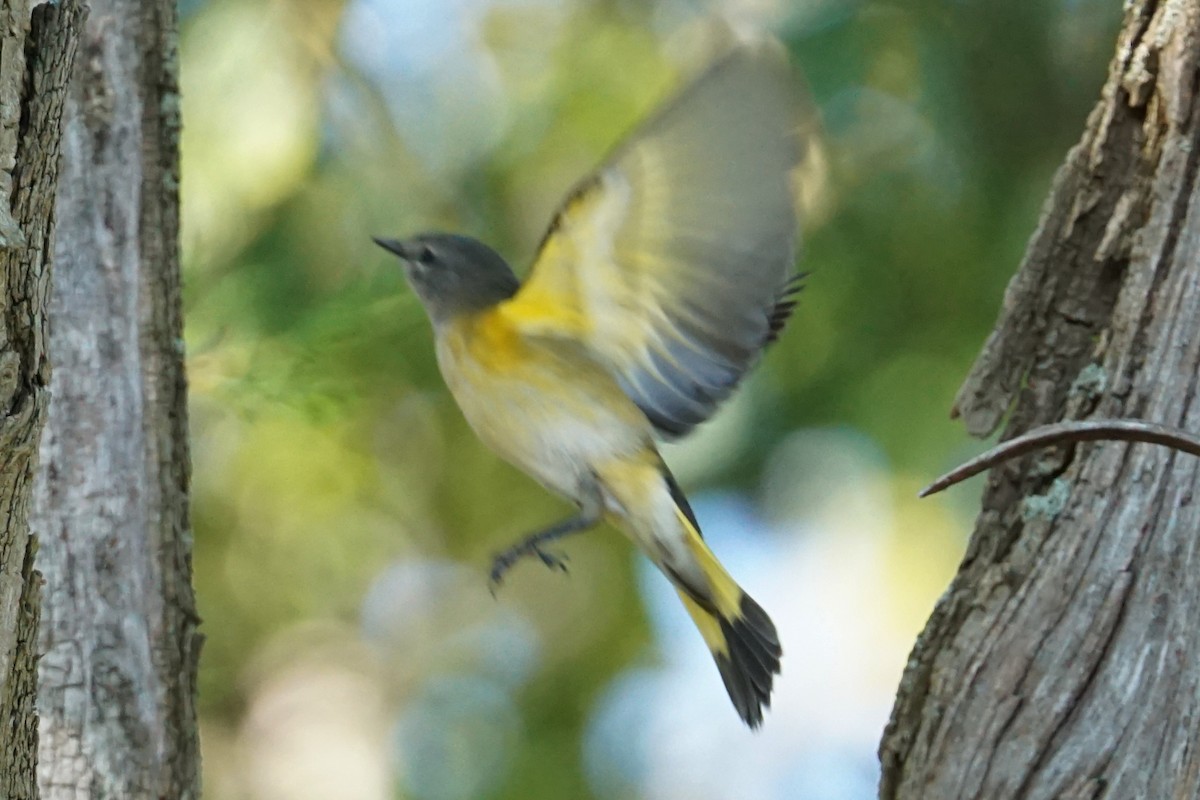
point(659, 282)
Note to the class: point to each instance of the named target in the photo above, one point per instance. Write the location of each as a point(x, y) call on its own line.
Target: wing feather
point(672, 262)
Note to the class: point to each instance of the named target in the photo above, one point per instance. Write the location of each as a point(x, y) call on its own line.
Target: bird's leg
point(591, 507)
point(532, 546)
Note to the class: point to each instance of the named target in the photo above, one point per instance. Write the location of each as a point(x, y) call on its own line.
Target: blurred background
point(344, 514)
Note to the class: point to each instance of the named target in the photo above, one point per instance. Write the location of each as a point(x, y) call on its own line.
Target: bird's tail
point(738, 632)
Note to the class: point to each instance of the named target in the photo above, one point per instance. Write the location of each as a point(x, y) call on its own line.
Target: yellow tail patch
point(726, 594)
point(739, 634)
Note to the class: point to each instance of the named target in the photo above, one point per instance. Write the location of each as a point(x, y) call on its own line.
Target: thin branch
point(1125, 430)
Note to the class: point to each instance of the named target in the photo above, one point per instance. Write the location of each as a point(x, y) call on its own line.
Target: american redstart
point(661, 279)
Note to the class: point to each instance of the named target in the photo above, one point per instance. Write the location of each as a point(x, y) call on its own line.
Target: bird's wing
point(673, 262)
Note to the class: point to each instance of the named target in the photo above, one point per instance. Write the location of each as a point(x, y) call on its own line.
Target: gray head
point(453, 274)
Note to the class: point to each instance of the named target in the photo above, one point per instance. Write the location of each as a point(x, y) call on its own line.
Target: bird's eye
point(425, 255)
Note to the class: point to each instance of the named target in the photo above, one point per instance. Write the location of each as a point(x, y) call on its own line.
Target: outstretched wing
point(673, 262)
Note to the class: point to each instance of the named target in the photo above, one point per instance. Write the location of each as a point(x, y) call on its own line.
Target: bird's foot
point(505, 561)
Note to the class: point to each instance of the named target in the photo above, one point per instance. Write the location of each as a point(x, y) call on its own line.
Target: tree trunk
point(118, 632)
point(1064, 661)
point(31, 106)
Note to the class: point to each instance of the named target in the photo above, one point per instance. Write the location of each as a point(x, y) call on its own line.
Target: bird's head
point(453, 274)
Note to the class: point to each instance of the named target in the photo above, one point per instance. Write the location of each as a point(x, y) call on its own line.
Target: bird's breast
point(542, 404)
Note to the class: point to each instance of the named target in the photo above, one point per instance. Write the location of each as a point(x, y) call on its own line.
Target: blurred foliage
point(328, 455)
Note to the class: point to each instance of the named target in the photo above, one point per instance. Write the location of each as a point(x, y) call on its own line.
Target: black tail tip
point(751, 662)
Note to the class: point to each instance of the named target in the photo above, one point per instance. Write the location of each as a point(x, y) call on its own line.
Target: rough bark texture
point(1064, 661)
point(36, 55)
point(118, 633)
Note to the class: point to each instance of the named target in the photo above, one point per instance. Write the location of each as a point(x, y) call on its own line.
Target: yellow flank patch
point(489, 340)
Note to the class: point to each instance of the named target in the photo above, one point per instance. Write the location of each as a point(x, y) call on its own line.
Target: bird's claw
point(551, 560)
point(503, 562)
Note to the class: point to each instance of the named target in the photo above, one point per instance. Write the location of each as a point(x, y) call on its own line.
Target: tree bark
point(1064, 660)
point(37, 52)
point(118, 632)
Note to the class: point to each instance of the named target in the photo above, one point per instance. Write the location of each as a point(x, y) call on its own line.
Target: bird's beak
point(392, 246)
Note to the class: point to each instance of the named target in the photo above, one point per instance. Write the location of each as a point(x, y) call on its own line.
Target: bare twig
point(1126, 430)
